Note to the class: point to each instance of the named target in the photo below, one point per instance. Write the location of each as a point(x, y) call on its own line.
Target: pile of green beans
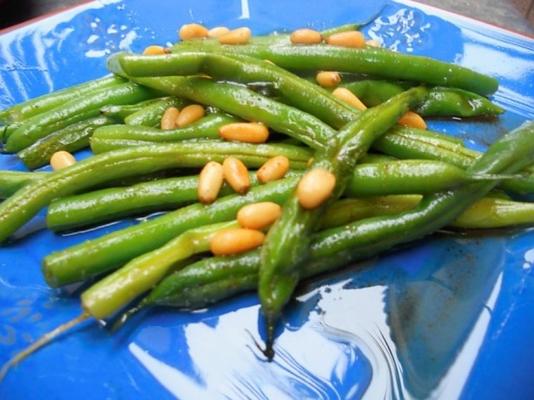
point(400, 142)
point(416, 181)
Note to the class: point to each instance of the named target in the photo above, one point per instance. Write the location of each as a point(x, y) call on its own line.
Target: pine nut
point(154, 50)
point(273, 169)
point(350, 98)
point(248, 132)
point(189, 114)
point(210, 182)
point(235, 241)
point(328, 79)
point(236, 175)
point(315, 187)
point(306, 36)
point(236, 36)
point(412, 120)
point(353, 39)
point(193, 31)
point(61, 159)
point(258, 215)
point(168, 120)
point(373, 43)
point(218, 31)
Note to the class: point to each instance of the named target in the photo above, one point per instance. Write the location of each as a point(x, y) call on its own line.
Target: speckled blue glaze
point(449, 317)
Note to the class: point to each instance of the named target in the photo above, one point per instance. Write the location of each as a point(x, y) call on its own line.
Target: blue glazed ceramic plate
point(449, 317)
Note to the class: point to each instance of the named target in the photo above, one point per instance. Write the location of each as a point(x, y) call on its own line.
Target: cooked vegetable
point(71, 138)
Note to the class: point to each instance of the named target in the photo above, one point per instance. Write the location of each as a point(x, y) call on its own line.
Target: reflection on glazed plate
point(449, 317)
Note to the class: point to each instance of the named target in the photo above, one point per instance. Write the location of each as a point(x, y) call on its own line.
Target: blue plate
point(450, 317)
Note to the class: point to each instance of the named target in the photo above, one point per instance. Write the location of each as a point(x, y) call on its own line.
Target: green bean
point(151, 115)
point(118, 289)
point(71, 138)
point(441, 101)
point(408, 177)
point(400, 143)
point(213, 279)
point(115, 249)
point(38, 105)
point(375, 62)
point(109, 204)
point(207, 127)
point(11, 181)
point(287, 242)
point(19, 208)
point(73, 111)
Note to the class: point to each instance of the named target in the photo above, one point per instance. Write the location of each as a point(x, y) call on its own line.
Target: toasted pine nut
point(154, 50)
point(210, 182)
point(248, 132)
point(218, 31)
point(258, 215)
point(347, 39)
point(273, 169)
point(236, 36)
point(236, 174)
point(350, 98)
point(328, 79)
point(193, 31)
point(235, 241)
point(189, 114)
point(373, 43)
point(61, 159)
point(315, 187)
point(306, 36)
point(168, 120)
point(412, 120)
